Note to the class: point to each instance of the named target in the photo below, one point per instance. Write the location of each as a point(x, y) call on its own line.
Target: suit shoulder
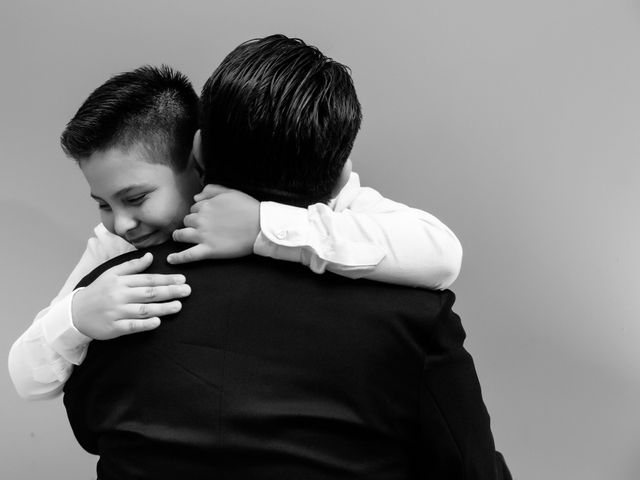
point(159, 252)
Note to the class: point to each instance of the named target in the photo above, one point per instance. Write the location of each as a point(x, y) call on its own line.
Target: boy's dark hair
point(155, 107)
point(278, 121)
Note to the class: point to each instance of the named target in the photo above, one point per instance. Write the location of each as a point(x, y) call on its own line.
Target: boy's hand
point(122, 301)
point(224, 223)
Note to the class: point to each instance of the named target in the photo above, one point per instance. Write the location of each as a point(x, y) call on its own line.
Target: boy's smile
point(140, 201)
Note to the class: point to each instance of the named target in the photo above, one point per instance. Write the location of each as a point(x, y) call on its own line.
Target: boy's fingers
point(130, 325)
point(191, 220)
point(157, 294)
point(154, 280)
point(193, 254)
point(133, 266)
point(186, 235)
point(150, 310)
point(196, 207)
point(210, 191)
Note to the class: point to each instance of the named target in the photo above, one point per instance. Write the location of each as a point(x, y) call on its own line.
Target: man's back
point(271, 371)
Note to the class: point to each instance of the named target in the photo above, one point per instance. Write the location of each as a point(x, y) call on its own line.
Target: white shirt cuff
point(283, 224)
point(283, 232)
point(314, 237)
point(60, 333)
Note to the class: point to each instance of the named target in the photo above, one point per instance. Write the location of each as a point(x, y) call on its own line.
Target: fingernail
point(185, 290)
point(180, 279)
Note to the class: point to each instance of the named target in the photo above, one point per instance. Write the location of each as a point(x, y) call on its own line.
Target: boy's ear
point(196, 152)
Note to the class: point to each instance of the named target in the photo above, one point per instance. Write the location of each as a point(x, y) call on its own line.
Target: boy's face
point(140, 201)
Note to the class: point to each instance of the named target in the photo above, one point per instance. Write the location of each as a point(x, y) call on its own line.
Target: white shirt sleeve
point(361, 234)
point(42, 358)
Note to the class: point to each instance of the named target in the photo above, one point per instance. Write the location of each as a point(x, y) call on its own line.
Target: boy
point(132, 139)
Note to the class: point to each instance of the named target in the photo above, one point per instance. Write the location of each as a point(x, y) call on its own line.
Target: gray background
point(515, 122)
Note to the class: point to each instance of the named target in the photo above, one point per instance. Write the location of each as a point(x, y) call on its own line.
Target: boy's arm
point(359, 234)
point(42, 358)
point(121, 301)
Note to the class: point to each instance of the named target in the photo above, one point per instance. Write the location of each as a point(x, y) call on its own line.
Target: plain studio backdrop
point(517, 123)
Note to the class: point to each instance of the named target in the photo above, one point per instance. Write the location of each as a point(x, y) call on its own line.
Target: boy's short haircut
point(155, 107)
point(278, 121)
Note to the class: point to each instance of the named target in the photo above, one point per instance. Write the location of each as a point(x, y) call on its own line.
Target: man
point(270, 371)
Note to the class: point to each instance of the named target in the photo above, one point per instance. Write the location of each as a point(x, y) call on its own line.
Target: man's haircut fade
point(278, 121)
point(151, 106)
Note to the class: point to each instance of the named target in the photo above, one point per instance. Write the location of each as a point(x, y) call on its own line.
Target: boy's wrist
point(73, 308)
point(75, 311)
point(258, 240)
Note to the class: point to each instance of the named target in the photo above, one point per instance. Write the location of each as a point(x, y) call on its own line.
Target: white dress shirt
point(359, 234)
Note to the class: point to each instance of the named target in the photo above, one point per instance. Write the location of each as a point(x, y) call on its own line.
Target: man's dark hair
point(278, 121)
point(155, 107)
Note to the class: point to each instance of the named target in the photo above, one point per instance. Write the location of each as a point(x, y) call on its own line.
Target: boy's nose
point(124, 223)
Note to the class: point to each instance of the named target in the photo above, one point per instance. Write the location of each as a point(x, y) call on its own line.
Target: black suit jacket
point(273, 372)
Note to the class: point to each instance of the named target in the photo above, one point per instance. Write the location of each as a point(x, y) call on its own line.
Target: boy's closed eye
point(133, 200)
point(136, 199)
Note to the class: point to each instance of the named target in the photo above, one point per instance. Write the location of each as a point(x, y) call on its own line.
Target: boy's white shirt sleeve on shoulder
point(42, 359)
point(361, 234)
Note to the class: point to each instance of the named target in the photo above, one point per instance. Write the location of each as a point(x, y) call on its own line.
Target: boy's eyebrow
point(124, 191)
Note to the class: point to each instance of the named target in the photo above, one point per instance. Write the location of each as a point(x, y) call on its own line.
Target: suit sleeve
point(455, 433)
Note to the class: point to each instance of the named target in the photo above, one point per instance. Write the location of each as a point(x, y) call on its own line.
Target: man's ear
point(196, 152)
point(343, 179)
